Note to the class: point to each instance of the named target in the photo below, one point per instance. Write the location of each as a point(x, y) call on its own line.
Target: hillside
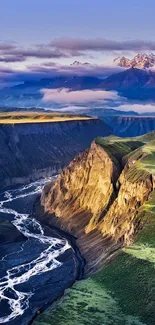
point(123, 291)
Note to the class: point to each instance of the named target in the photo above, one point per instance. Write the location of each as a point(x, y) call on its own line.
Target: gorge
point(30, 151)
point(103, 198)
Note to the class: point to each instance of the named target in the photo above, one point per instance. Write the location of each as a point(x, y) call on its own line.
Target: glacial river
point(36, 268)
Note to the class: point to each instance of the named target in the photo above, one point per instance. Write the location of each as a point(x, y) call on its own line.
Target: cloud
point(41, 53)
point(70, 108)
point(139, 108)
point(12, 58)
point(65, 96)
point(101, 44)
point(67, 48)
point(50, 70)
point(7, 46)
point(53, 69)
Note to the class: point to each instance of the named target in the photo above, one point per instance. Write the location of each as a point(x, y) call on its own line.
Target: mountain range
point(140, 61)
point(134, 83)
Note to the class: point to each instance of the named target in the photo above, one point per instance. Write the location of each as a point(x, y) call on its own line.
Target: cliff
point(30, 151)
point(99, 197)
point(130, 126)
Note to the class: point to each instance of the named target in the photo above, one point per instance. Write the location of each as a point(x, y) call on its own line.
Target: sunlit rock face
point(98, 198)
point(86, 185)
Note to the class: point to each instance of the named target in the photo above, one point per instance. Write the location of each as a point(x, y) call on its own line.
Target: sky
point(30, 22)
point(41, 38)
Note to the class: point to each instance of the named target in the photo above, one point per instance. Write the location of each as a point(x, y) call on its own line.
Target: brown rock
point(98, 203)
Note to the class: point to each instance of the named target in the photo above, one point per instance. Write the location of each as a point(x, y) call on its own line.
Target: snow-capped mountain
point(140, 61)
point(78, 64)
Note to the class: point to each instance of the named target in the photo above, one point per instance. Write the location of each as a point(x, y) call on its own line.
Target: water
point(30, 263)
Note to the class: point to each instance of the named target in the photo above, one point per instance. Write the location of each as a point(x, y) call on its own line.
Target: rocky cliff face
point(131, 126)
point(98, 197)
point(30, 151)
point(86, 186)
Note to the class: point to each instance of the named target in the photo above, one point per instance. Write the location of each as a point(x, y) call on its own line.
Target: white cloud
point(65, 96)
point(139, 108)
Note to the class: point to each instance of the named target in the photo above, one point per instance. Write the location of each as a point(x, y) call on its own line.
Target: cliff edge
point(99, 197)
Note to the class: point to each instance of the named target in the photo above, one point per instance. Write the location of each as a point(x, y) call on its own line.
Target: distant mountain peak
point(140, 61)
point(77, 63)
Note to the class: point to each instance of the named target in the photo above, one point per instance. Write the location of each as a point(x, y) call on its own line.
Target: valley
point(23, 146)
point(77, 162)
point(37, 263)
point(104, 198)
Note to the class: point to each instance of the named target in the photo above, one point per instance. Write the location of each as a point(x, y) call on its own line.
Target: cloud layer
point(65, 96)
point(68, 48)
point(102, 44)
point(49, 70)
point(139, 108)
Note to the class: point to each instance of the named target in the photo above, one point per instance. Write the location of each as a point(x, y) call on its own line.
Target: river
point(38, 265)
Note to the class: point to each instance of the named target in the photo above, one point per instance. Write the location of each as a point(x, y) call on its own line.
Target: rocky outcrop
point(119, 221)
point(31, 151)
point(86, 186)
point(97, 198)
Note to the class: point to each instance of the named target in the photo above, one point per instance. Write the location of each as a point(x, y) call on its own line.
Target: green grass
point(117, 149)
point(88, 303)
point(123, 293)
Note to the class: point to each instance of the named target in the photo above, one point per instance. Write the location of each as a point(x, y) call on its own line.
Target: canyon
point(30, 151)
point(36, 150)
point(102, 198)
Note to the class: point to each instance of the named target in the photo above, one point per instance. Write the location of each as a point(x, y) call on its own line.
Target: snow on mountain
point(140, 61)
point(78, 64)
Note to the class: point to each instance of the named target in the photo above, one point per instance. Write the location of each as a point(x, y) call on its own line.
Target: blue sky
point(32, 22)
point(29, 21)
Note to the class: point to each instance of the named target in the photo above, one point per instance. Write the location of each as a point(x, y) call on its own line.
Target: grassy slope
point(123, 293)
point(33, 117)
point(116, 148)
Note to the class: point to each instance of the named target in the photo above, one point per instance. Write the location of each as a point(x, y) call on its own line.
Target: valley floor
point(123, 293)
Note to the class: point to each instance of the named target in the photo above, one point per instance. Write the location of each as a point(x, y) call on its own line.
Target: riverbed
point(37, 263)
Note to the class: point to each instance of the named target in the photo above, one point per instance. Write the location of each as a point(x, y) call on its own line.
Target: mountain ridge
point(140, 61)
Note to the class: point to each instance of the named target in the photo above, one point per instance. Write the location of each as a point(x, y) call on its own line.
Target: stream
point(38, 265)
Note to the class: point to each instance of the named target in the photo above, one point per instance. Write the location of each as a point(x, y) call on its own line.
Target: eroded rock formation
point(97, 198)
